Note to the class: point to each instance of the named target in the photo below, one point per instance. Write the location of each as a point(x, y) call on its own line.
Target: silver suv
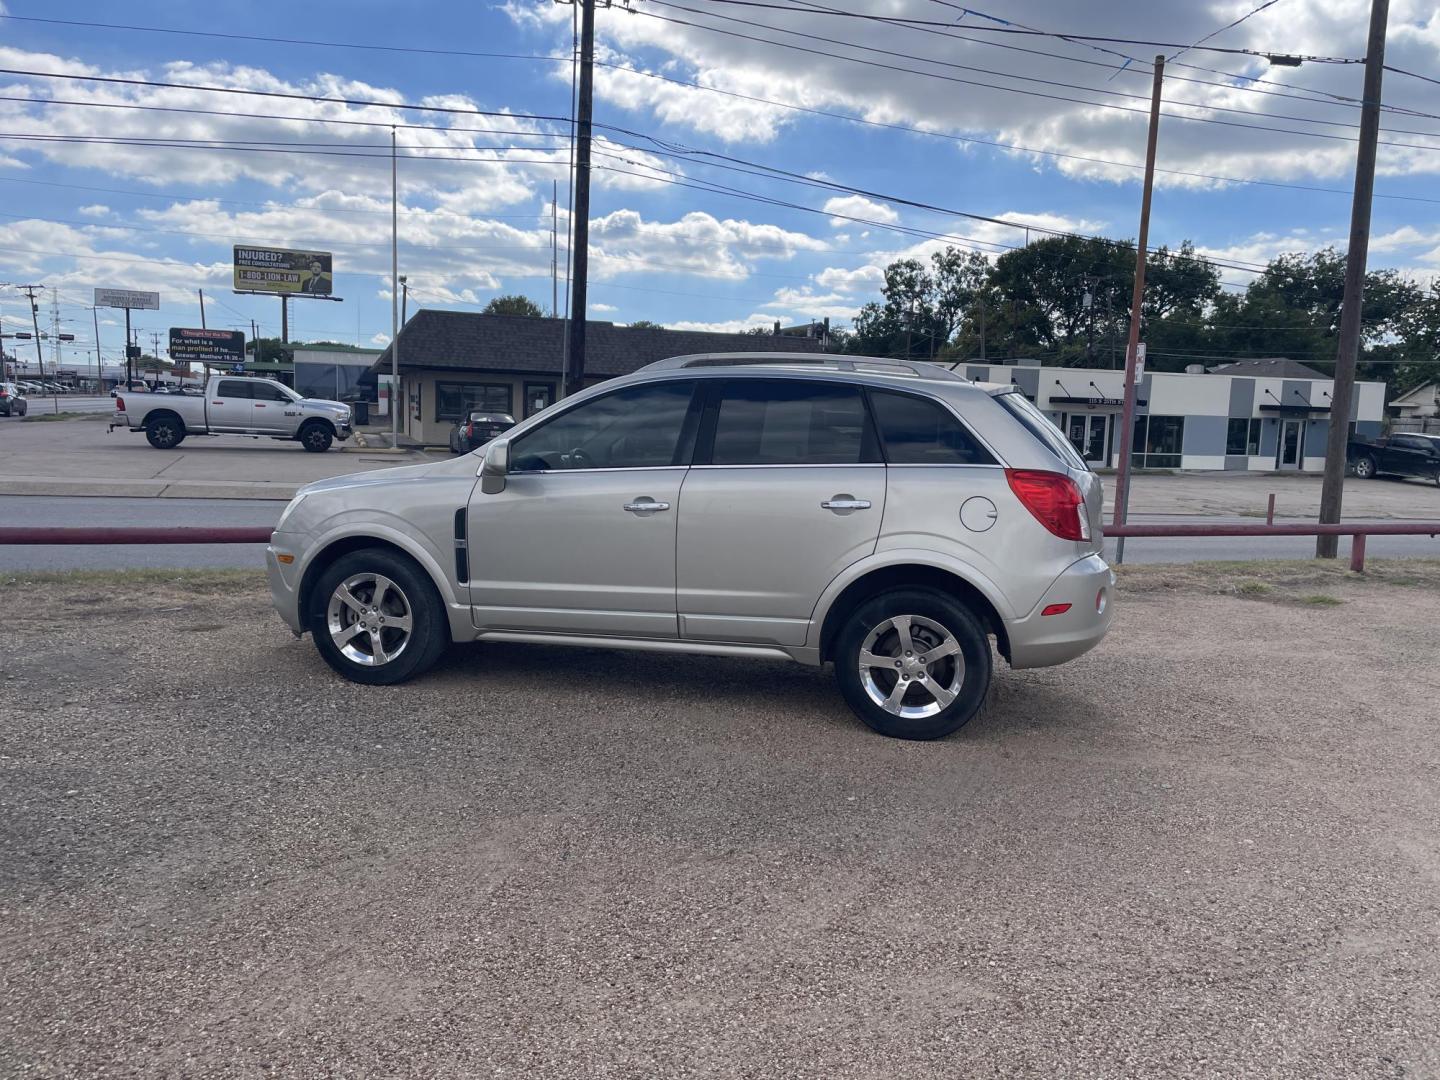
point(889, 517)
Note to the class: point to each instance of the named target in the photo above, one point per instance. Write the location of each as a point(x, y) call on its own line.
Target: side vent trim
point(462, 548)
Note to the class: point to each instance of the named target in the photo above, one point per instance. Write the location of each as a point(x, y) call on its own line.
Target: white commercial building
point(1256, 414)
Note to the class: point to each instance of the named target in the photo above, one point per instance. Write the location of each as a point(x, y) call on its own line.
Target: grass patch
point(33, 417)
point(192, 581)
point(1279, 580)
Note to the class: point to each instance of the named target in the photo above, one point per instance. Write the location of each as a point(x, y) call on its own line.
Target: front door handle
point(646, 505)
point(844, 503)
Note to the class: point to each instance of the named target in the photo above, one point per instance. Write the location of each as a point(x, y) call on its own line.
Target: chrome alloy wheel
point(369, 619)
point(911, 666)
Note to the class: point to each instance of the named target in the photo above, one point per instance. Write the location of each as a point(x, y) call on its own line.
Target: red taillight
point(1055, 609)
point(119, 404)
point(1054, 499)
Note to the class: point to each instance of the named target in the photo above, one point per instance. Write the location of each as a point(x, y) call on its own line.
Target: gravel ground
point(1212, 847)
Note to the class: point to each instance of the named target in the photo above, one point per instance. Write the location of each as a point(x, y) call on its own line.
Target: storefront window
point(1157, 442)
point(455, 401)
point(1242, 436)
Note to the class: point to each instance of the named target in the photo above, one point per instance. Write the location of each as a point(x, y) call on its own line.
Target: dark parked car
point(1402, 454)
point(12, 400)
point(478, 429)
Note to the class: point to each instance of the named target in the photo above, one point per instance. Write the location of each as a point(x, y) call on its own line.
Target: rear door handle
point(646, 505)
point(845, 502)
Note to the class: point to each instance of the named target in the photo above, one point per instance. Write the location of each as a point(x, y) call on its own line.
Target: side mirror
point(495, 466)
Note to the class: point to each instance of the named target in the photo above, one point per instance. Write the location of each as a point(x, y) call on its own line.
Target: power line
point(1228, 26)
point(828, 114)
point(906, 21)
point(1069, 100)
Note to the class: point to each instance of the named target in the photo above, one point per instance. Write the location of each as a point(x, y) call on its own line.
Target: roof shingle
point(518, 343)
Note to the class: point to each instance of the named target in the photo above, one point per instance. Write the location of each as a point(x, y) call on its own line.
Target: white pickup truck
point(234, 405)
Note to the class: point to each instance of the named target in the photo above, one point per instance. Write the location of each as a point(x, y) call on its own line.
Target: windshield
point(1039, 425)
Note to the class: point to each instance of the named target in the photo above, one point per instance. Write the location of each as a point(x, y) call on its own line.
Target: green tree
point(922, 308)
point(514, 304)
point(645, 324)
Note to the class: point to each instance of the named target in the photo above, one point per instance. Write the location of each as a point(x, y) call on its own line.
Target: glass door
point(1291, 452)
point(1088, 433)
point(538, 396)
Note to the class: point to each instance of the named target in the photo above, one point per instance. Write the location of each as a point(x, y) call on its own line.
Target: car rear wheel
point(1365, 467)
point(165, 431)
point(377, 618)
point(913, 664)
point(316, 436)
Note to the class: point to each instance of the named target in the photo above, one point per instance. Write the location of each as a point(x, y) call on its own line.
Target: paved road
point(38, 510)
point(70, 403)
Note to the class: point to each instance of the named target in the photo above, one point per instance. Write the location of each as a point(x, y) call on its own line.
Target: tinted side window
point(920, 432)
point(234, 388)
point(636, 428)
point(268, 392)
point(779, 422)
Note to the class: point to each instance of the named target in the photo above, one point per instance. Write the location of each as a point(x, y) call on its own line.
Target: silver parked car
point(885, 516)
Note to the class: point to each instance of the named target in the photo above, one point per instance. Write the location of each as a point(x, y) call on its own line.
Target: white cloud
point(697, 243)
point(94, 210)
point(603, 308)
point(848, 207)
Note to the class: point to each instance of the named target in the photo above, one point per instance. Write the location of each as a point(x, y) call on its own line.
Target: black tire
point(1365, 468)
point(429, 633)
point(25, 408)
point(969, 682)
point(165, 431)
point(316, 436)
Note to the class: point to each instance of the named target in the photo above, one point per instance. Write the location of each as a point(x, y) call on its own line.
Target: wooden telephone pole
point(1348, 351)
point(1132, 351)
point(580, 213)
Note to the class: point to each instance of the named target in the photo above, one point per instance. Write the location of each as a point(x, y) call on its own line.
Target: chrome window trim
point(605, 469)
point(801, 465)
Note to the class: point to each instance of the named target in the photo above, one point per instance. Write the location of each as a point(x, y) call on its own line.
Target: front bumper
point(1039, 640)
point(284, 579)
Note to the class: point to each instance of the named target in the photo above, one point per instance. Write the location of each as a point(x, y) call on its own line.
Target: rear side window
point(1039, 425)
point(918, 431)
point(234, 388)
point(791, 422)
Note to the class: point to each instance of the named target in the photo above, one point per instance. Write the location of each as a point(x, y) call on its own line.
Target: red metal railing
point(261, 535)
point(237, 535)
point(1359, 530)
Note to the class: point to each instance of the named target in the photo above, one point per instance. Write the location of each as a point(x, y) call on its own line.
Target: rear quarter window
point(1039, 425)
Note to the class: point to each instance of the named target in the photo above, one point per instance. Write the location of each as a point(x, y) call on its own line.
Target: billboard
point(283, 272)
point(127, 298)
point(206, 346)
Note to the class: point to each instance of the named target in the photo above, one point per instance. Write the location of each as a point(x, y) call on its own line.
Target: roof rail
point(876, 364)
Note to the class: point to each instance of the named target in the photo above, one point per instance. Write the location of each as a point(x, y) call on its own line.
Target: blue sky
point(476, 222)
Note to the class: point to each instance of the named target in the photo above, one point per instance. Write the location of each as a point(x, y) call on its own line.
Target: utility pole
point(30, 291)
point(982, 326)
point(284, 319)
point(202, 308)
point(1342, 393)
point(1132, 350)
point(554, 249)
point(99, 369)
point(580, 215)
point(394, 292)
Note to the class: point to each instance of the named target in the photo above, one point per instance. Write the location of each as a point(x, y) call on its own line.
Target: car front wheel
point(1365, 467)
point(913, 664)
point(377, 618)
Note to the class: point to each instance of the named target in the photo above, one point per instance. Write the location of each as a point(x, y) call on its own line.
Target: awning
point(1097, 402)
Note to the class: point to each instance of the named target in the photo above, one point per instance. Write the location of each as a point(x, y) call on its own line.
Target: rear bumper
point(1040, 640)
